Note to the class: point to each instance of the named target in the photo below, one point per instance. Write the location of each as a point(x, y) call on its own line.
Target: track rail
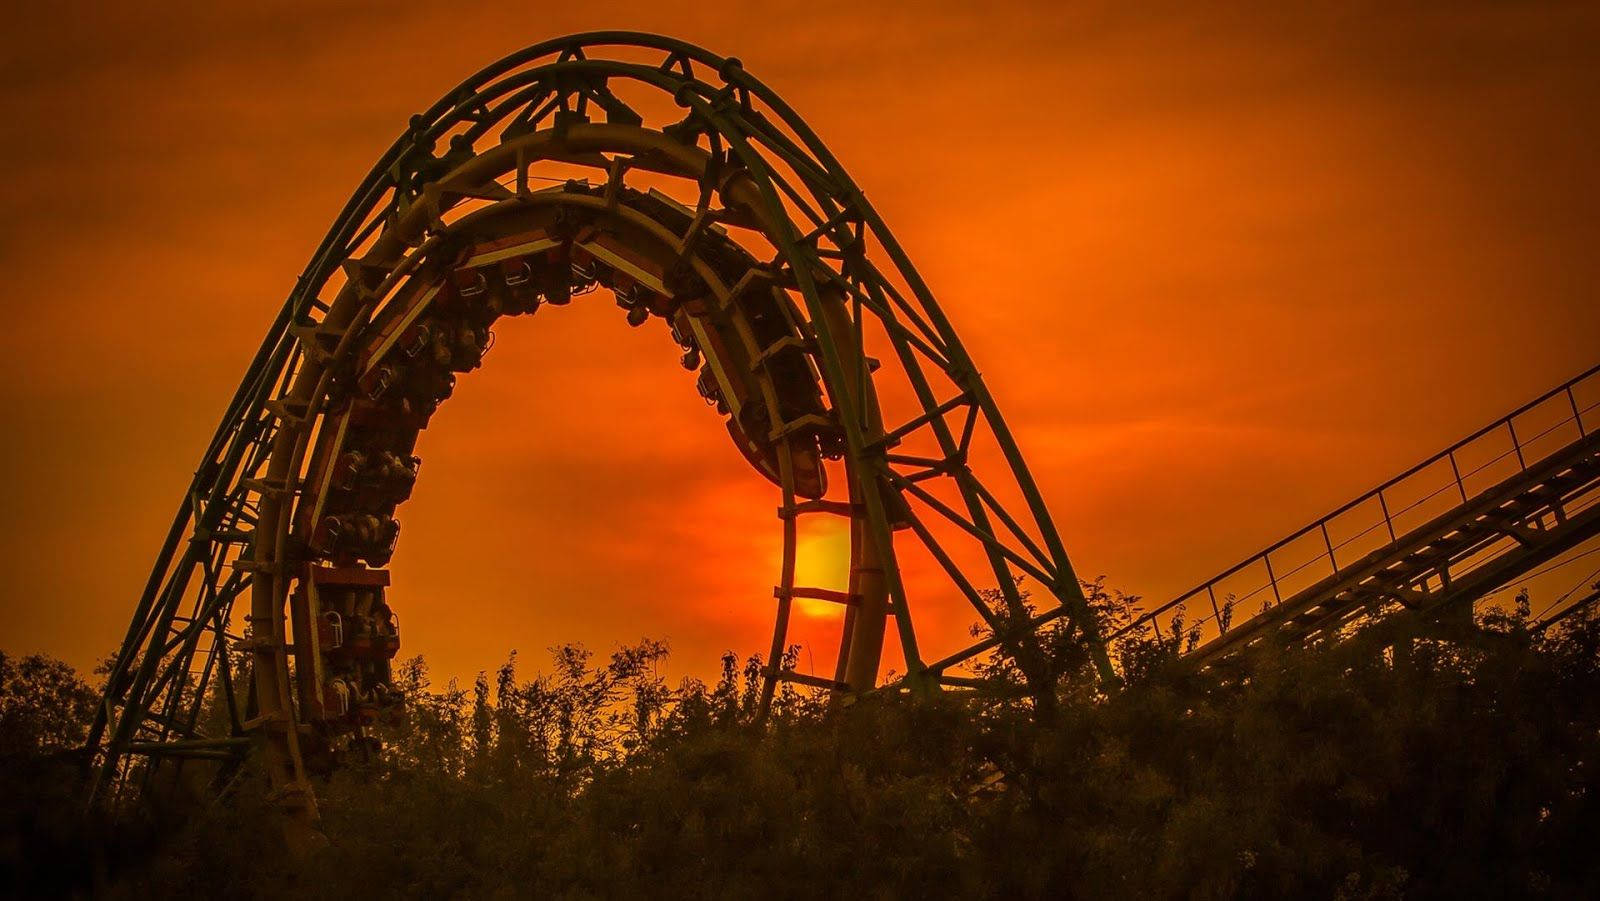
point(1484, 511)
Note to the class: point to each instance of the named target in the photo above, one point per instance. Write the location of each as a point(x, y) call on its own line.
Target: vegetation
point(1464, 767)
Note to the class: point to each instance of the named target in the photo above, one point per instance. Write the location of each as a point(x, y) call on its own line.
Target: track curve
point(669, 177)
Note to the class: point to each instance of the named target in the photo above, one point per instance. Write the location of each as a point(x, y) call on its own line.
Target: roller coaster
point(666, 177)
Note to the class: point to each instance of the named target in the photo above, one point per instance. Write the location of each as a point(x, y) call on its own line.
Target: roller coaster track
point(690, 192)
point(1429, 543)
point(687, 190)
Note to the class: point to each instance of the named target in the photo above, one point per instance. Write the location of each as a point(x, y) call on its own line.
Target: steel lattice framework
point(671, 177)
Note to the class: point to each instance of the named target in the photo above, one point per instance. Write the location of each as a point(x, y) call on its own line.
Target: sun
point(822, 560)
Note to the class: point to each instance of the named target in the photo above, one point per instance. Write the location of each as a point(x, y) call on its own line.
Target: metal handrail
point(1458, 482)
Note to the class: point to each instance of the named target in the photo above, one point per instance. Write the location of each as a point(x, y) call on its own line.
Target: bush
point(1423, 769)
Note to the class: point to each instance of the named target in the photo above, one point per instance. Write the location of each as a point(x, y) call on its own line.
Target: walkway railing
point(1523, 438)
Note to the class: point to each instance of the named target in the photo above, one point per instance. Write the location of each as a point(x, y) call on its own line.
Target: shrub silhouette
point(1429, 768)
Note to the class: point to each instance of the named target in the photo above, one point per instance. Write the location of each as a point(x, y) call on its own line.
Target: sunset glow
point(1223, 274)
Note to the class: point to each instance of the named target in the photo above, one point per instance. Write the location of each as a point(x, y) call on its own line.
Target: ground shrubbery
point(1460, 768)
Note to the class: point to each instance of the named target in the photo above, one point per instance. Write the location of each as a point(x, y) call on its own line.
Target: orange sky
point(1222, 270)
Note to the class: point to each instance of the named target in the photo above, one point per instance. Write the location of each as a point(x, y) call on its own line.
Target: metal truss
point(1423, 546)
point(690, 190)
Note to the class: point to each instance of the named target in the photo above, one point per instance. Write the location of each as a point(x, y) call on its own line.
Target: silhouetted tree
point(1371, 768)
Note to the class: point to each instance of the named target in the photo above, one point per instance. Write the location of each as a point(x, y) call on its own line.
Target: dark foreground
point(1459, 768)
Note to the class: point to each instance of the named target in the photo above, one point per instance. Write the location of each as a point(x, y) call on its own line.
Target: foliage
point(44, 714)
point(1428, 765)
point(44, 706)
